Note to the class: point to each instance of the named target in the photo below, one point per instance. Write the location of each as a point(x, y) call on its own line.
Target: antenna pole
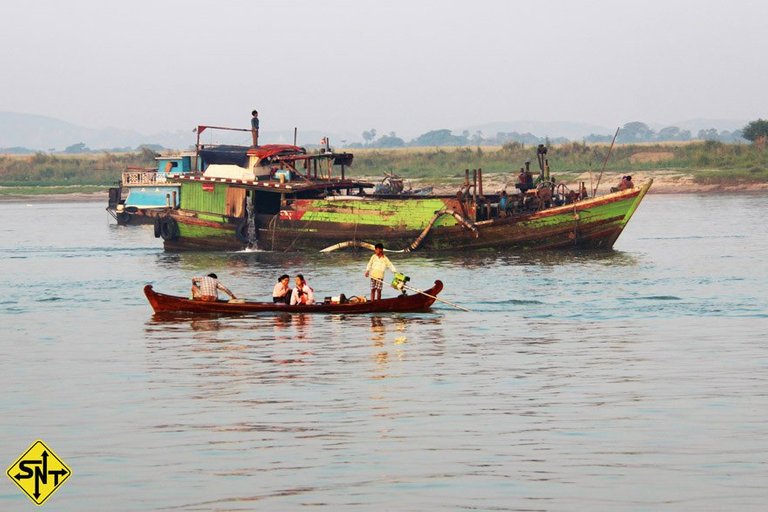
point(605, 161)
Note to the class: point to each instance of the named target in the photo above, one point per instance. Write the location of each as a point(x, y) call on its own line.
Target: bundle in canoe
point(162, 303)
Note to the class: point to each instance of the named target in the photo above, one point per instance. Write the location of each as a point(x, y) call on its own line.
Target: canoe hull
point(162, 303)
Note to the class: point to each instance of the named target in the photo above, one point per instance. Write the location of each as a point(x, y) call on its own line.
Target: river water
point(632, 380)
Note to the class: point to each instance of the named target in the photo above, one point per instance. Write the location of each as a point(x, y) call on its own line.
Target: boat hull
point(162, 303)
point(593, 223)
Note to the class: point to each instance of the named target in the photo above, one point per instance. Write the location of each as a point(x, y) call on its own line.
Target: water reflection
point(224, 356)
point(206, 325)
point(292, 326)
point(378, 331)
point(176, 320)
point(389, 337)
point(570, 257)
point(380, 325)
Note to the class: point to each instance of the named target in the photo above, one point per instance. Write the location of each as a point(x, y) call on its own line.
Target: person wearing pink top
point(302, 293)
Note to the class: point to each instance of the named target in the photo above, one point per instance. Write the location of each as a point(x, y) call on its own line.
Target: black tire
point(124, 218)
point(169, 230)
point(157, 227)
point(241, 230)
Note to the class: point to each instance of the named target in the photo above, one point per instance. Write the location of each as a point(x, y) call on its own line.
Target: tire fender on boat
point(169, 229)
point(124, 217)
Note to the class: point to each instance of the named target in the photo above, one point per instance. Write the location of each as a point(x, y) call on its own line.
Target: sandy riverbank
point(664, 182)
point(671, 182)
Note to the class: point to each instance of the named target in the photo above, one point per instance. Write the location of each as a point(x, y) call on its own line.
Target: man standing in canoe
point(375, 270)
point(207, 288)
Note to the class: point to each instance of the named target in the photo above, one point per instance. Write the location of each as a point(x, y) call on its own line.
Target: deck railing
point(138, 178)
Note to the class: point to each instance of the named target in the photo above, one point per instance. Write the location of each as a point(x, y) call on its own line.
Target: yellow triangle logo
point(38, 472)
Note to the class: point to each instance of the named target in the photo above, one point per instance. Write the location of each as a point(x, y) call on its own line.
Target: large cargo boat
point(282, 198)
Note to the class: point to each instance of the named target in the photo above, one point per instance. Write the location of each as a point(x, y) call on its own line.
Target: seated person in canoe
point(282, 292)
point(207, 288)
point(302, 293)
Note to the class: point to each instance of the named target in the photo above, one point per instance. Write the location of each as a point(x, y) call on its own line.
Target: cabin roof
point(269, 150)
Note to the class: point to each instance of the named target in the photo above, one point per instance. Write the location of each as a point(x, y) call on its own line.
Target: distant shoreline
point(74, 197)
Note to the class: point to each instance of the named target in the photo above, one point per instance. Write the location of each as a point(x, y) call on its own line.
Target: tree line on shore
point(706, 161)
point(630, 133)
point(633, 132)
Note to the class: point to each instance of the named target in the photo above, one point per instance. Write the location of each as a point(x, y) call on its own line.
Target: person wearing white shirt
point(375, 270)
point(302, 293)
point(282, 292)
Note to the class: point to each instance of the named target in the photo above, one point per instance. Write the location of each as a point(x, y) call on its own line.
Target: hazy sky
point(404, 66)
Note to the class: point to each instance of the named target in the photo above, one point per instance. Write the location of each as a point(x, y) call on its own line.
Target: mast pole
point(605, 161)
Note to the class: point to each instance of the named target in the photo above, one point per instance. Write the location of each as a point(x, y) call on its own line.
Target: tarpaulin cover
point(237, 155)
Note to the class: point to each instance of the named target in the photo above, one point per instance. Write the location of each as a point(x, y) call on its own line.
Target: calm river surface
point(634, 380)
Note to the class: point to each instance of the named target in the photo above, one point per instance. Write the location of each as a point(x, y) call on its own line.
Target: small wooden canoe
point(162, 303)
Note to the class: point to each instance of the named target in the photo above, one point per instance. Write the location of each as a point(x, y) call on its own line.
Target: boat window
point(170, 166)
point(266, 202)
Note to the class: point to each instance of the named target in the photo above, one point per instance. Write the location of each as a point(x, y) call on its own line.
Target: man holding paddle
point(375, 270)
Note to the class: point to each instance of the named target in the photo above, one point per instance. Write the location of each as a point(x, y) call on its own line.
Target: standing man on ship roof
point(255, 127)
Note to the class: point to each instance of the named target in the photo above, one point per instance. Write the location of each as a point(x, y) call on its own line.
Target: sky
point(403, 66)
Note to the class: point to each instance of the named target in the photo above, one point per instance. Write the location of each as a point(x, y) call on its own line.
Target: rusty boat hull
point(314, 224)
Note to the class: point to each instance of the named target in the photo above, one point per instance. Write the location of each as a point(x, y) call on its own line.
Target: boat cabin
point(231, 180)
point(144, 189)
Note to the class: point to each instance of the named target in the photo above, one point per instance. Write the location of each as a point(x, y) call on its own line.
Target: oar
point(428, 295)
